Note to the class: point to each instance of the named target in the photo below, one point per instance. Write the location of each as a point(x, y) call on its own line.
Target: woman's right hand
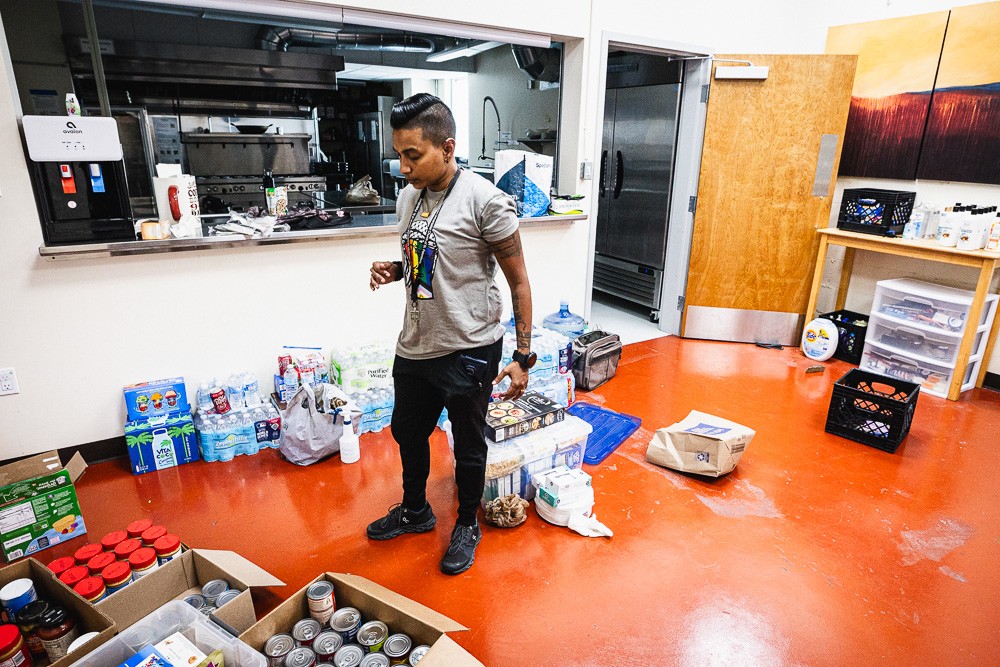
point(383, 273)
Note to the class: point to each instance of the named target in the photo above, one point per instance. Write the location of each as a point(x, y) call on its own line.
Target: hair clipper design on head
point(427, 112)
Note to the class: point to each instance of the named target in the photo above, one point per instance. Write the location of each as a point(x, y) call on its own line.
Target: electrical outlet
point(8, 382)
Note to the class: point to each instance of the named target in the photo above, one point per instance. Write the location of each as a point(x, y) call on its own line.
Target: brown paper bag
point(700, 443)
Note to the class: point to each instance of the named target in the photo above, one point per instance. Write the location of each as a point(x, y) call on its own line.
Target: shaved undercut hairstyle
point(427, 112)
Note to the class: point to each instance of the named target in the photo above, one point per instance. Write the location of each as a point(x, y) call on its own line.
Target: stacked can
point(86, 552)
point(372, 635)
point(375, 660)
point(346, 621)
point(397, 648)
point(417, 654)
point(15, 595)
point(349, 655)
point(212, 590)
point(277, 648)
point(321, 601)
point(326, 645)
point(305, 631)
point(127, 548)
point(138, 527)
point(196, 601)
point(113, 539)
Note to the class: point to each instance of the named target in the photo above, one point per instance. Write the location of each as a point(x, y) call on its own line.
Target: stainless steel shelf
point(362, 226)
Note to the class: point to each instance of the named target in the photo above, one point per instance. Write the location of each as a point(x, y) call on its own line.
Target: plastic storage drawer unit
point(176, 616)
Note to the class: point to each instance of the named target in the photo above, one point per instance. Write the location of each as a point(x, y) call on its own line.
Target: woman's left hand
point(518, 380)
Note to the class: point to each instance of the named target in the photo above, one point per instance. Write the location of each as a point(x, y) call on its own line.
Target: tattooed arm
point(511, 260)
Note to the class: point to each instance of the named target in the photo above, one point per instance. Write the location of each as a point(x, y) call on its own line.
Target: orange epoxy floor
point(814, 551)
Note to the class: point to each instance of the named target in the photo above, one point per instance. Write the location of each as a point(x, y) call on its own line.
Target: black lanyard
point(427, 234)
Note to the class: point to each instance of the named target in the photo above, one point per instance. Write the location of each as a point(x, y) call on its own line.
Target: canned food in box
point(372, 635)
point(375, 660)
point(276, 648)
point(305, 631)
point(321, 601)
point(213, 589)
point(300, 656)
point(226, 596)
point(345, 622)
point(397, 647)
point(195, 600)
point(350, 655)
point(326, 644)
point(417, 654)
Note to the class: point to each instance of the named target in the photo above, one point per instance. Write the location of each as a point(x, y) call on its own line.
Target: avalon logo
point(72, 128)
point(71, 125)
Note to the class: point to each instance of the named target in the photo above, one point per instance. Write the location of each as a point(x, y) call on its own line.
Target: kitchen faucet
point(489, 99)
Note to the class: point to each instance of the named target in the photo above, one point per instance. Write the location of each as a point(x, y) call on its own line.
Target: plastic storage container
point(176, 616)
point(851, 334)
point(929, 346)
point(610, 429)
point(933, 379)
point(872, 409)
point(875, 211)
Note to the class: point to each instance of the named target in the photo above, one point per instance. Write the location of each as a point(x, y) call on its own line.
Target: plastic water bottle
point(350, 446)
point(291, 378)
point(251, 390)
point(565, 322)
point(205, 397)
point(511, 326)
point(206, 439)
point(234, 391)
point(250, 431)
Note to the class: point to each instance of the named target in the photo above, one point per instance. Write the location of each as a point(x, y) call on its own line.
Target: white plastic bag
point(308, 435)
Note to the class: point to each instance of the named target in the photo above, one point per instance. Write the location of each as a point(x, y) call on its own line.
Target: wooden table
point(928, 249)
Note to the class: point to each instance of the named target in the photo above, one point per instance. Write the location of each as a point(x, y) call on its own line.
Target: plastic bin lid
point(610, 430)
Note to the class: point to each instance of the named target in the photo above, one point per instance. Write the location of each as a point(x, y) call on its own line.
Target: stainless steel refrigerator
point(374, 146)
point(636, 171)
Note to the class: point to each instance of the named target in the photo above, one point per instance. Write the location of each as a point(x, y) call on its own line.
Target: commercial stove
point(220, 194)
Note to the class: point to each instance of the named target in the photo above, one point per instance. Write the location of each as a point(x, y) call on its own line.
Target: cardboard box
point(423, 625)
point(161, 442)
point(38, 504)
point(158, 397)
point(700, 443)
point(185, 575)
point(508, 419)
point(48, 587)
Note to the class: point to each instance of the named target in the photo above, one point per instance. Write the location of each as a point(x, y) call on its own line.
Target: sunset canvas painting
point(962, 142)
point(890, 102)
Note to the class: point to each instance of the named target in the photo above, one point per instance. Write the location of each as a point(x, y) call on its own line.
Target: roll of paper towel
point(527, 177)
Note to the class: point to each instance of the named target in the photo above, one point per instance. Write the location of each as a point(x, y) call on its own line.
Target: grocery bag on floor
point(308, 434)
point(700, 443)
point(527, 177)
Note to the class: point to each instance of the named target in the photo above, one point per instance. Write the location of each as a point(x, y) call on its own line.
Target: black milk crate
point(875, 211)
point(872, 409)
point(851, 342)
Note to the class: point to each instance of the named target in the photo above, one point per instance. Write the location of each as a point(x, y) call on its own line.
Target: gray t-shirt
point(462, 307)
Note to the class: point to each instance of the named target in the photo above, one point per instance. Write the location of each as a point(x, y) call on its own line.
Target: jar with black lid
point(57, 630)
point(28, 619)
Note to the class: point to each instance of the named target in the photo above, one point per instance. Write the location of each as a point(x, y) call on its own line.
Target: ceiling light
point(462, 51)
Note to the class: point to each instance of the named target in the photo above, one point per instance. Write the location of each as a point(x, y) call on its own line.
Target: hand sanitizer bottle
point(350, 446)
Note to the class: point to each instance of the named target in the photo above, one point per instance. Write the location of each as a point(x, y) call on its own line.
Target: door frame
point(687, 164)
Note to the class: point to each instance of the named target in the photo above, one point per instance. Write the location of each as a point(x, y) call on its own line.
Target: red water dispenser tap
point(68, 182)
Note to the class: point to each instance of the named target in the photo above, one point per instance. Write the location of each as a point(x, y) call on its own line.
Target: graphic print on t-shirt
point(420, 257)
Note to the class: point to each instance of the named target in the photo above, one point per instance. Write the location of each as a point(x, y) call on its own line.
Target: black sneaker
point(461, 552)
point(400, 520)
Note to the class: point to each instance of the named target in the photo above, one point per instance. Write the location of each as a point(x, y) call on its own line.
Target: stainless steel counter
point(371, 225)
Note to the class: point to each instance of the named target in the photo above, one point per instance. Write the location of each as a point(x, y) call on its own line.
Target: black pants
point(423, 387)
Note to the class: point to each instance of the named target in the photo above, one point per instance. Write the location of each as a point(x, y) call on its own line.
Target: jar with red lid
point(137, 527)
point(13, 649)
point(167, 548)
point(116, 576)
point(27, 619)
point(151, 534)
point(113, 539)
point(57, 630)
point(86, 552)
point(91, 589)
point(125, 549)
point(100, 561)
point(60, 565)
point(143, 561)
point(74, 575)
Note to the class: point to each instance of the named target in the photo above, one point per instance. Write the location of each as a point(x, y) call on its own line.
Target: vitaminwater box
point(422, 625)
point(38, 504)
point(508, 419)
point(161, 442)
point(184, 576)
point(48, 587)
point(159, 397)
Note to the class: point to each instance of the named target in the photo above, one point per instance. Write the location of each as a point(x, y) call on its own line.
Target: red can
point(136, 527)
point(284, 361)
point(60, 565)
point(125, 549)
point(219, 400)
point(113, 539)
point(100, 561)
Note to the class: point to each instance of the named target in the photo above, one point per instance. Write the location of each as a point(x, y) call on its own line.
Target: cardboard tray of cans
point(48, 587)
point(423, 626)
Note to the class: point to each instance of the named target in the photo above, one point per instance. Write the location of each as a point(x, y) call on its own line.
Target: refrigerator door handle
point(620, 174)
point(604, 171)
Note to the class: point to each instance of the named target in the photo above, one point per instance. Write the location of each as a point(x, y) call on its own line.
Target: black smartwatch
point(525, 361)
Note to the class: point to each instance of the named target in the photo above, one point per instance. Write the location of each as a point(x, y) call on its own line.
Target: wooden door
point(771, 151)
